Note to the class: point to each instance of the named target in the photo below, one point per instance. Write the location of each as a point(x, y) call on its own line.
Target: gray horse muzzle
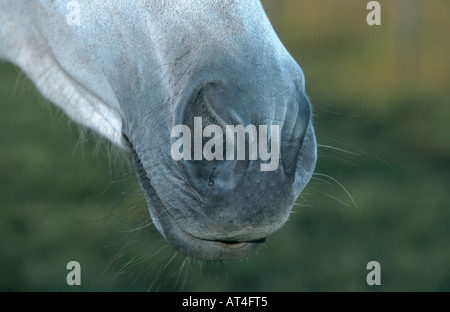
point(225, 207)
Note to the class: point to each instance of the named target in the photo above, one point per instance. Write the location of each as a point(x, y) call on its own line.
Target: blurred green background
point(382, 109)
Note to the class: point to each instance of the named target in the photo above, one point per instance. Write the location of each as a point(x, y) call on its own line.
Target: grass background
point(382, 109)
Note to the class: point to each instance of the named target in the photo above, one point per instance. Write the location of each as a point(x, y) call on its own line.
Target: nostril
point(206, 116)
point(202, 147)
point(208, 104)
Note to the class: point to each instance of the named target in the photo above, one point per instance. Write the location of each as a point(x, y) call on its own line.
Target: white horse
point(134, 70)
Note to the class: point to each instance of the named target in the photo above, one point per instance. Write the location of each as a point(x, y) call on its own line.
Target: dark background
point(381, 104)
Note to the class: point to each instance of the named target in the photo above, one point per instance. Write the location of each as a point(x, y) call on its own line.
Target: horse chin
point(193, 246)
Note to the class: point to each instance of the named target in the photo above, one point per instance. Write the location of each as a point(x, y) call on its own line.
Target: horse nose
point(214, 152)
point(240, 159)
point(231, 128)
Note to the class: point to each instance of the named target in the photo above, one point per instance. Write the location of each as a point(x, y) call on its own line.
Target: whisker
point(338, 149)
point(378, 157)
point(321, 180)
point(338, 183)
point(335, 198)
point(139, 228)
point(171, 259)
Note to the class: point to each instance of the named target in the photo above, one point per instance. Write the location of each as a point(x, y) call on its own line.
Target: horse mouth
point(178, 237)
point(191, 245)
point(234, 245)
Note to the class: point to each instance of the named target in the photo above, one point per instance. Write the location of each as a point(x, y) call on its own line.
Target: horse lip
point(178, 237)
point(226, 250)
point(238, 245)
point(219, 250)
point(233, 245)
point(203, 249)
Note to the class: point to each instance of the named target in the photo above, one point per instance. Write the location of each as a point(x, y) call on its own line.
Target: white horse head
point(136, 70)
